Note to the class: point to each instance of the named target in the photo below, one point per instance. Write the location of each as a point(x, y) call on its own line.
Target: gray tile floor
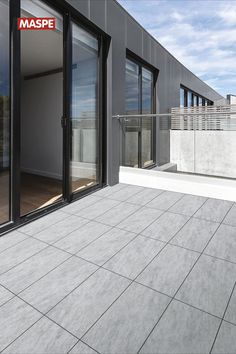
point(125, 270)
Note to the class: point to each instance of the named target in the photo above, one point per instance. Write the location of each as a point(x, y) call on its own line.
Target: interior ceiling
point(41, 51)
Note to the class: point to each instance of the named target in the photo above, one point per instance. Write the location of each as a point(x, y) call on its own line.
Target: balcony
point(127, 269)
point(196, 150)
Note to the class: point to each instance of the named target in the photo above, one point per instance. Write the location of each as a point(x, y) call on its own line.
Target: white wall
point(41, 132)
point(205, 152)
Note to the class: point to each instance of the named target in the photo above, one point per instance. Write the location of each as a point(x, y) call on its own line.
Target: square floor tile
point(5, 295)
point(102, 249)
point(231, 310)
point(44, 337)
point(49, 290)
point(209, 285)
point(144, 196)
point(223, 244)
point(82, 237)
point(225, 341)
point(15, 317)
point(165, 200)
point(61, 229)
point(195, 234)
point(26, 273)
point(132, 259)
point(166, 226)
point(118, 214)
point(78, 205)
point(42, 223)
point(11, 239)
point(125, 193)
point(97, 209)
point(81, 348)
point(125, 326)
point(79, 310)
point(19, 253)
point(182, 329)
point(188, 205)
point(214, 210)
point(168, 270)
point(141, 219)
point(230, 218)
point(108, 190)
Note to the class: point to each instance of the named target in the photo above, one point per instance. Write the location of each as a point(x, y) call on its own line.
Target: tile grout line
point(26, 259)
point(173, 298)
point(35, 236)
point(133, 280)
point(17, 243)
point(84, 344)
point(96, 239)
point(8, 345)
point(100, 267)
point(31, 222)
point(218, 330)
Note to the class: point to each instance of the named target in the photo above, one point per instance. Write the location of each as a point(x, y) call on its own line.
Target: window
point(4, 113)
point(182, 97)
point(189, 103)
point(192, 99)
point(138, 132)
point(84, 110)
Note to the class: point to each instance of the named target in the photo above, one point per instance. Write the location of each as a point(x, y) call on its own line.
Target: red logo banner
point(36, 23)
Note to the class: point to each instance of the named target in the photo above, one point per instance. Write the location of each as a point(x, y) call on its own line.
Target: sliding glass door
point(84, 163)
point(51, 128)
point(4, 113)
point(138, 133)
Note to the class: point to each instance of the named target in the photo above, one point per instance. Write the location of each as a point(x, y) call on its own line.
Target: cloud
point(199, 34)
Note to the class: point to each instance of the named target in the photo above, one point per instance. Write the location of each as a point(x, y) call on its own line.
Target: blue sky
point(200, 33)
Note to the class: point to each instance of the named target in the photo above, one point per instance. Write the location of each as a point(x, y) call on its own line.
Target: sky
point(201, 34)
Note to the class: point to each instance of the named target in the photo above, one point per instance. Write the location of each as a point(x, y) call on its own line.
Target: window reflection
point(84, 110)
point(4, 112)
point(182, 95)
point(147, 123)
point(132, 126)
point(138, 133)
point(190, 99)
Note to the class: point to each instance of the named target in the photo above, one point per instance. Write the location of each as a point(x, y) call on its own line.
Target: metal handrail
point(118, 116)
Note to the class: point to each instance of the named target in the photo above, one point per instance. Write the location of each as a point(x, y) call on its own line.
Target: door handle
point(63, 122)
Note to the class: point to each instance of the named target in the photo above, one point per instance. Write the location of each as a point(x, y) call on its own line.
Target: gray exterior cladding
point(126, 33)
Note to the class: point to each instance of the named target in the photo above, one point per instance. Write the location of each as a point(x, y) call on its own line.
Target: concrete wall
point(205, 152)
point(126, 33)
point(41, 132)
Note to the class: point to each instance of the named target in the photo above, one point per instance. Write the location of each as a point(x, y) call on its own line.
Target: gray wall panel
point(117, 31)
point(98, 13)
point(147, 43)
point(81, 5)
point(134, 36)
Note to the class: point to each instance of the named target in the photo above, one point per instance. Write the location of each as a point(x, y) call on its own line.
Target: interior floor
point(38, 191)
point(4, 196)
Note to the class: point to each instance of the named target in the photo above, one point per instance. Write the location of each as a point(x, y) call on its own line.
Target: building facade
point(59, 90)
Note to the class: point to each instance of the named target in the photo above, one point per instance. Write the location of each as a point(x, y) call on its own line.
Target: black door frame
point(143, 64)
point(69, 14)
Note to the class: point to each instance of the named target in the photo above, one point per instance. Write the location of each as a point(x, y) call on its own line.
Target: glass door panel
point(131, 127)
point(41, 111)
point(4, 113)
point(84, 164)
point(137, 133)
point(147, 123)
